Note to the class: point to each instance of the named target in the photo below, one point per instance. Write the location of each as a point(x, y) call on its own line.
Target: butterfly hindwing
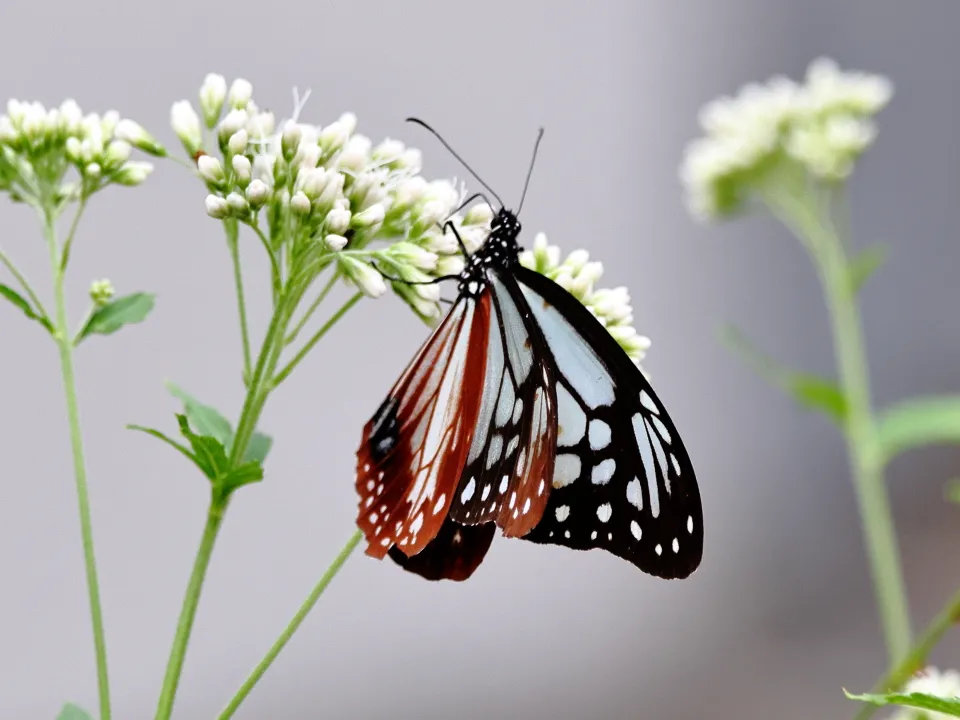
point(414, 448)
point(622, 478)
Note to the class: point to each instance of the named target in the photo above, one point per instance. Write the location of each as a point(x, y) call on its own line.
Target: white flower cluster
point(578, 276)
point(942, 684)
point(39, 145)
point(821, 126)
point(101, 292)
point(337, 187)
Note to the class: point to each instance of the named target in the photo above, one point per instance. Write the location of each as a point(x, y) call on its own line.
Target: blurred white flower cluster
point(578, 276)
point(930, 681)
point(332, 187)
point(770, 131)
point(38, 146)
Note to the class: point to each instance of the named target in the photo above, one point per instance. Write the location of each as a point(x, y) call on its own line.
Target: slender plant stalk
point(917, 657)
point(292, 627)
point(866, 464)
point(64, 340)
point(188, 612)
point(317, 336)
point(331, 283)
point(233, 232)
point(257, 392)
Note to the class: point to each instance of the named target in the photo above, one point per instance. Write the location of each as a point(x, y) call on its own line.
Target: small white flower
point(238, 204)
point(356, 154)
point(409, 254)
point(134, 134)
point(133, 173)
point(257, 193)
point(242, 169)
point(8, 133)
point(410, 190)
point(448, 265)
point(101, 291)
point(335, 242)
point(300, 203)
point(479, 214)
point(117, 153)
point(217, 206)
point(241, 91)
point(338, 221)
point(261, 125)
point(237, 144)
point(232, 123)
point(210, 169)
point(334, 136)
point(212, 93)
point(92, 170)
point(186, 125)
point(366, 278)
point(313, 181)
point(373, 215)
point(70, 117)
point(263, 169)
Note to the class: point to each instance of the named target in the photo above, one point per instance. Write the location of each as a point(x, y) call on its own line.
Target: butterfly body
point(521, 412)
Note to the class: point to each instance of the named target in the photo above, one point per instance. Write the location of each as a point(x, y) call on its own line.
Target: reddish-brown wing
point(453, 554)
point(414, 448)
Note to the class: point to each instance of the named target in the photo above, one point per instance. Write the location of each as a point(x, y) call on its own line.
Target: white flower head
point(821, 127)
point(133, 133)
point(101, 291)
point(133, 173)
point(241, 92)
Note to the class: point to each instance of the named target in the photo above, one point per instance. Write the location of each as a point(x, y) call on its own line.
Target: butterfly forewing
point(510, 463)
point(622, 479)
point(414, 448)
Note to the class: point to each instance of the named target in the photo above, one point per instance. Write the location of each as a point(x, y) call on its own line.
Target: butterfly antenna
point(533, 160)
point(453, 152)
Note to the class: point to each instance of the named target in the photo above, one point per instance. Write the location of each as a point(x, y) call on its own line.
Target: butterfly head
point(505, 224)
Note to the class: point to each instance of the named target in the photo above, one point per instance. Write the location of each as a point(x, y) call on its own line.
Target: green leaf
point(918, 422)
point(25, 307)
point(245, 474)
point(864, 265)
point(921, 701)
point(109, 318)
point(160, 436)
point(810, 391)
point(258, 448)
point(73, 712)
point(209, 453)
point(205, 419)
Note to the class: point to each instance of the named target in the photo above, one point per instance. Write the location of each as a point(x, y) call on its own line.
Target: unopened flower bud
point(373, 215)
point(101, 291)
point(300, 203)
point(216, 207)
point(257, 193)
point(210, 169)
point(134, 134)
point(241, 91)
point(186, 125)
point(133, 173)
point(338, 220)
point(212, 93)
point(238, 204)
point(335, 242)
point(237, 144)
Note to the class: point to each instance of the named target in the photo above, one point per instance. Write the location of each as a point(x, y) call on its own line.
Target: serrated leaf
point(866, 263)
point(258, 448)
point(171, 442)
point(810, 391)
point(204, 419)
point(921, 701)
point(245, 474)
point(918, 422)
point(24, 306)
point(109, 318)
point(73, 712)
point(209, 453)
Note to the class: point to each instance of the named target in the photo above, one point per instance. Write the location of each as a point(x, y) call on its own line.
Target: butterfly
point(521, 413)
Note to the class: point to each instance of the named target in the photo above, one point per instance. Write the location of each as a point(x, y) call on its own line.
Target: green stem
point(866, 465)
point(331, 283)
point(65, 346)
point(275, 272)
point(917, 657)
point(283, 374)
point(25, 284)
point(292, 627)
point(233, 232)
point(257, 392)
point(188, 612)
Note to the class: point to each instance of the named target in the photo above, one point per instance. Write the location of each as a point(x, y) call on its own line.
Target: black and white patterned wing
point(622, 479)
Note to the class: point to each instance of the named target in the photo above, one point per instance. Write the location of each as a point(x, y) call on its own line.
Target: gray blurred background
point(781, 613)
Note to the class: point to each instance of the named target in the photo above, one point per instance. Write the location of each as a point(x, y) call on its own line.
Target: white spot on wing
point(599, 434)
point(566, 469)
point(646, 454)
point(563, 512)
point(503, 483)
point(635, 494)
point(440, 501)
point(505, 406)
point(676, 545)
point(468, 491)
point(690, 524)
point(648, 403)
point(486, 493)
point(416, 524)
point(571, 421)
point(517, 409)
point(658, 549)
point(603, 472)
point(635, 529)
point(495, 451)
point(661, 428)
point(604, 512)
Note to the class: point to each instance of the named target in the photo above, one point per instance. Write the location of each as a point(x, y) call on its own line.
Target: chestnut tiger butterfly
point(521, 412)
